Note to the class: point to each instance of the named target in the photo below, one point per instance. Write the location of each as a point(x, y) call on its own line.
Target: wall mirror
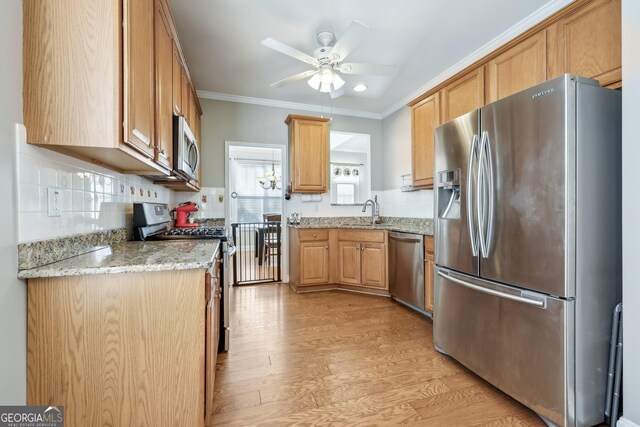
point(350, 168)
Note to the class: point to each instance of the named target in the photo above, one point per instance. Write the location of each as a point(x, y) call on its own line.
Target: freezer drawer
point(514, 339)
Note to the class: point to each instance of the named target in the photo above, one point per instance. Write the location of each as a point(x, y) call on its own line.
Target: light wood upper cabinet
point(138, 75)
point(374, 265)
point(425, 117)
point(349, 263)
point(588, 43)
point(522, 66)
point(314, 263)
point(186, 93)
point(177, 82)
point(164, 88)
point(73, 85)
point(463, 95)
point(308, 153)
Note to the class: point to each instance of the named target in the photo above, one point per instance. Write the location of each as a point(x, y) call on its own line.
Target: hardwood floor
point(339, 358)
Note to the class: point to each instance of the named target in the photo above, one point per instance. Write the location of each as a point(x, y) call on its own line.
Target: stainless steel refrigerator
point(528, 244)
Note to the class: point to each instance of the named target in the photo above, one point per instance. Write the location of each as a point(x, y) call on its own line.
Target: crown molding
point(288, 105)
point(519, 28)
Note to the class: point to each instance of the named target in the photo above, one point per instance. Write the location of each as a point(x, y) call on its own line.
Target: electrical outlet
point(54, 201)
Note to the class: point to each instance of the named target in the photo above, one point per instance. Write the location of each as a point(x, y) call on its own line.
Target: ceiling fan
point(327, 60)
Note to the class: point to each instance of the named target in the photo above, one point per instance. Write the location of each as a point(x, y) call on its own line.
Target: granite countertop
point(406, 225)
point(132, 257)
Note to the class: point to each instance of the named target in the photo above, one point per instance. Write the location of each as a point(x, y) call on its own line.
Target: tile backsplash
point(413, 204)
point(92, 198)
point(208, 201)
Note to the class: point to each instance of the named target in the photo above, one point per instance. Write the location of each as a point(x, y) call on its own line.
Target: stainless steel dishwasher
point(406, 268)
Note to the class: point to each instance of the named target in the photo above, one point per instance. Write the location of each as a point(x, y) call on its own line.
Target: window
point(253, 201)
point(345, 193)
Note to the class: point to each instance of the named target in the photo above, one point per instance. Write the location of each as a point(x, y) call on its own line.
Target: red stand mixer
point(182, 213)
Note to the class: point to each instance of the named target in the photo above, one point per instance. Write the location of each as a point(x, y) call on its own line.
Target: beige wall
point(396, 137)
point(13, 300)
point(231, 121)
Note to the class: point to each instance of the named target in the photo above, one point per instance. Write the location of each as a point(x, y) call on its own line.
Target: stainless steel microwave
point(186, 156)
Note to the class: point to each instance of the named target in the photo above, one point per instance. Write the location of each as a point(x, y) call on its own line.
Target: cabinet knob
point(326, 247)
point(315, 235)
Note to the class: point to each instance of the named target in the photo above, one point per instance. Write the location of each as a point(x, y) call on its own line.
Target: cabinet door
point(164, 88)
point(429, 266)
point(309, 150)
point(463, 95)
point(184, 98)
point(522, 66)
point(374, 261)
point(212, 336)
point(139, 83)
point(349, 263)
point(425, 117)
point(177, 81)
point(314, 263)
point(588, 43)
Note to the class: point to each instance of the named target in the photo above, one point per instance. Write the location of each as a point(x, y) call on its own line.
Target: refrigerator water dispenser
point(449, 194)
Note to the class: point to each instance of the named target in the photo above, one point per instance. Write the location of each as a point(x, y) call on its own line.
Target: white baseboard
point(625, 422)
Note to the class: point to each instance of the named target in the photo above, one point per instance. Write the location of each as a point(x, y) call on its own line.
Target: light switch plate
point(54, 201)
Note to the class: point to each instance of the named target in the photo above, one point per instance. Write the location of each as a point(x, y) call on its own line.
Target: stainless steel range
point(152, 221)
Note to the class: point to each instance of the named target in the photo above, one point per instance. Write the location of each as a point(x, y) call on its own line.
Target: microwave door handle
point(473, 235)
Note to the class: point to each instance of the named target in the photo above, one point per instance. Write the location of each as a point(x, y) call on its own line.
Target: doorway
point(255, 198)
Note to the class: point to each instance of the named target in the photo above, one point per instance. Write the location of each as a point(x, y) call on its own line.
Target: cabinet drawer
point(361, 236)
point(313, 235)
point(429, 243)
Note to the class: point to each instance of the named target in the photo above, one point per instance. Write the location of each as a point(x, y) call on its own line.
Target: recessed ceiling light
point(360, 87)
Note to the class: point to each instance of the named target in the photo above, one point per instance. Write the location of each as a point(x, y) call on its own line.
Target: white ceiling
point(349, 142)
point(221, 41)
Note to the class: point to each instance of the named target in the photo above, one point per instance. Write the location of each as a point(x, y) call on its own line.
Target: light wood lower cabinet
point(349, 263)
point(349, 257)
point(374, 262)
point(429, 271)
point(122, 349)
point(362, 258)
point(314, 262)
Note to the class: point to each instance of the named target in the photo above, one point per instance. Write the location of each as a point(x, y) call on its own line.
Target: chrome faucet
point(375, 210)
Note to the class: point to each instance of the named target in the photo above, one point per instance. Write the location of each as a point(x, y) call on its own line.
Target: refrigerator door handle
point(491, 204)
point(480, 190)
point(473, 235)
point(531, 301)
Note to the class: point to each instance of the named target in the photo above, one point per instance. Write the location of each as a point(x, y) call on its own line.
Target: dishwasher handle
point(406, 237)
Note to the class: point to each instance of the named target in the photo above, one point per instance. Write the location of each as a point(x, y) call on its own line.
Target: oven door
point(186, 153)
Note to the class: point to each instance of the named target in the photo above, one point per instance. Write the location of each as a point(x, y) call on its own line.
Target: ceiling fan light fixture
point(315, 81)
point(325, 87)
point(360, 87)
point(337, 81)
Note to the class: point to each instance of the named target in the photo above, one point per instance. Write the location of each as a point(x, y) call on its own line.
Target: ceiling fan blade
point(336, 93)
point(373, 69)
point(288, 50)
point(352, 37)
point(294, 78)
